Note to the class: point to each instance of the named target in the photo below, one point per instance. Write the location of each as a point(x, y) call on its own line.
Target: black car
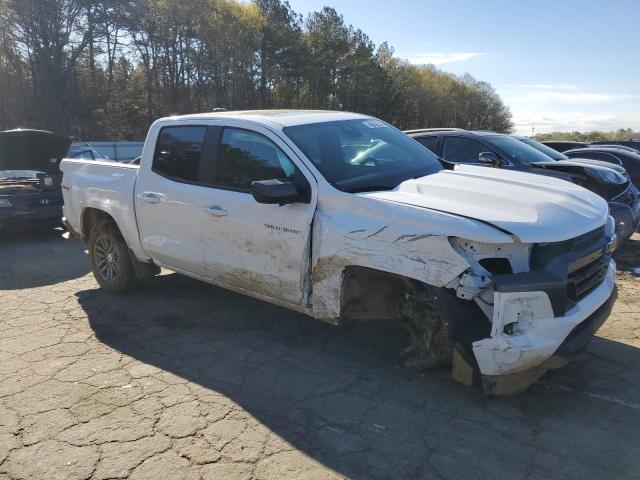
point(619, 147)
point(633, 143)
point(612, 155)
point(30, 191)
point(504, 151)
point(563, 145)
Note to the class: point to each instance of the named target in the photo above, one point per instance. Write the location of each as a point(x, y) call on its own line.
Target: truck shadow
point(24, 252)
point(340, 395)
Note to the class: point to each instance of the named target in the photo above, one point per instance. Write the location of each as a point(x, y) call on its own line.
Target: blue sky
point(559, 65)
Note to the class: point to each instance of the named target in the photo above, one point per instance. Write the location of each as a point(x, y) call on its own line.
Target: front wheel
point(110, 261)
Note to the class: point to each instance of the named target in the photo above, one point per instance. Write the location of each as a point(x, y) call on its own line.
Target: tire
point(110, 260)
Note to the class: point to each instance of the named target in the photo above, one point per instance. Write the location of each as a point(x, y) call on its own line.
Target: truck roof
point(280, 118)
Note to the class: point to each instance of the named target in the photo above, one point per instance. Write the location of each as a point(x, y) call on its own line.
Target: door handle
point(216, 211)
point(151, 197)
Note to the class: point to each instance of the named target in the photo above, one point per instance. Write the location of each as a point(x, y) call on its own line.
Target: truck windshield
point(363, 154)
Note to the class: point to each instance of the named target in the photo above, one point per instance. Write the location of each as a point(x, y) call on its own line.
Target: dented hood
point(586, 162)
point(32, 150)
point(602, 172)
point(534, 208)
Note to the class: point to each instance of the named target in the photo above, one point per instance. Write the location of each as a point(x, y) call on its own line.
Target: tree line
point(593, 136)
point(106, 69)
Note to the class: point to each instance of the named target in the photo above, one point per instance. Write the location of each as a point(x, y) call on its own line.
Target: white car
point(343, 217)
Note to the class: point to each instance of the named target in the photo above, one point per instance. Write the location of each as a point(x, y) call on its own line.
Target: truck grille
point(586, 274)
point(544, 254)
point(574, 267)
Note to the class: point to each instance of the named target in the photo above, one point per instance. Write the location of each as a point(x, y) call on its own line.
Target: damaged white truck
point(342, 217)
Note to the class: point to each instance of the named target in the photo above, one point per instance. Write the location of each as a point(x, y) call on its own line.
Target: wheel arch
point(91, 217)
point(371, 294)
point(95, 216)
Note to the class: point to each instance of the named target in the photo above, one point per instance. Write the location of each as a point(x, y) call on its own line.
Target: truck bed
point(104, 185)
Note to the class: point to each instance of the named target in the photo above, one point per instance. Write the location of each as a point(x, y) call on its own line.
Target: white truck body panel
point(170, 221)
point(276, 265)
point(533, 207)
point(106, 186)
point(296, 255)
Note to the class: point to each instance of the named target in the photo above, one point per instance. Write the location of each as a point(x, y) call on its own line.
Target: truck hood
point(534, 208)
point(36, 150)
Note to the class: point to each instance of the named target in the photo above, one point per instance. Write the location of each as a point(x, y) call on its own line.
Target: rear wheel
point(110, 261)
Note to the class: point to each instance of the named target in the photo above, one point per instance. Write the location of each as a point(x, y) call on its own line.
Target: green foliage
point(106, 69)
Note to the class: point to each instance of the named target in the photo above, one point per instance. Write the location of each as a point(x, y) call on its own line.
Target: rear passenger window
point(429, 142)
point(246, 156)
point(179, 152)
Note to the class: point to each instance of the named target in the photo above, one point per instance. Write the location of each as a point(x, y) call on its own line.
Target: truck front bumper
point(538, 341)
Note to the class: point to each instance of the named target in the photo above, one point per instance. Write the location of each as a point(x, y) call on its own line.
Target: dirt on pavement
point(185, 380)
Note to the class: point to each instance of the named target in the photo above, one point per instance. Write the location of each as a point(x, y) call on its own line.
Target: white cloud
point(438, 58)
point(562, 107)
point(546, 86)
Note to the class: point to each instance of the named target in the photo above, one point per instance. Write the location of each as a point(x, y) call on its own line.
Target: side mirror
point(489, 157)
point(275, 191)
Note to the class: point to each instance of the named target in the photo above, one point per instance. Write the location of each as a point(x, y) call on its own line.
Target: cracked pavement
point(183, 380)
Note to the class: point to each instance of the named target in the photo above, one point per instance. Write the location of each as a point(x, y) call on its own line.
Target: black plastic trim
point(554, 276)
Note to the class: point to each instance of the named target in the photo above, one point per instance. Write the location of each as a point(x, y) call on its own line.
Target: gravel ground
point(185, 380)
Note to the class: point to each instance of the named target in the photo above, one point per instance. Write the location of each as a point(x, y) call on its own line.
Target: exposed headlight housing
point(492, 258)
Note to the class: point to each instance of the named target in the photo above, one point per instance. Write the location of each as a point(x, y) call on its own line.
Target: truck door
point(258, 247)
point(170, 199)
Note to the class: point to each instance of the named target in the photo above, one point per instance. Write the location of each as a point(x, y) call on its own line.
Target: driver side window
point(462, 150)
point(246, 156)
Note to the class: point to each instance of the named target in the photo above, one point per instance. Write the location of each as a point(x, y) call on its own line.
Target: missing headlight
point(497, 266)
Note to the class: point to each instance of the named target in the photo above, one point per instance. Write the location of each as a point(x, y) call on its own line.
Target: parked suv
point(456, 146)
point(631, 143)
point(615, 155)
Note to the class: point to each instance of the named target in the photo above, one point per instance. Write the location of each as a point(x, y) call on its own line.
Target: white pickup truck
point(342, 217)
